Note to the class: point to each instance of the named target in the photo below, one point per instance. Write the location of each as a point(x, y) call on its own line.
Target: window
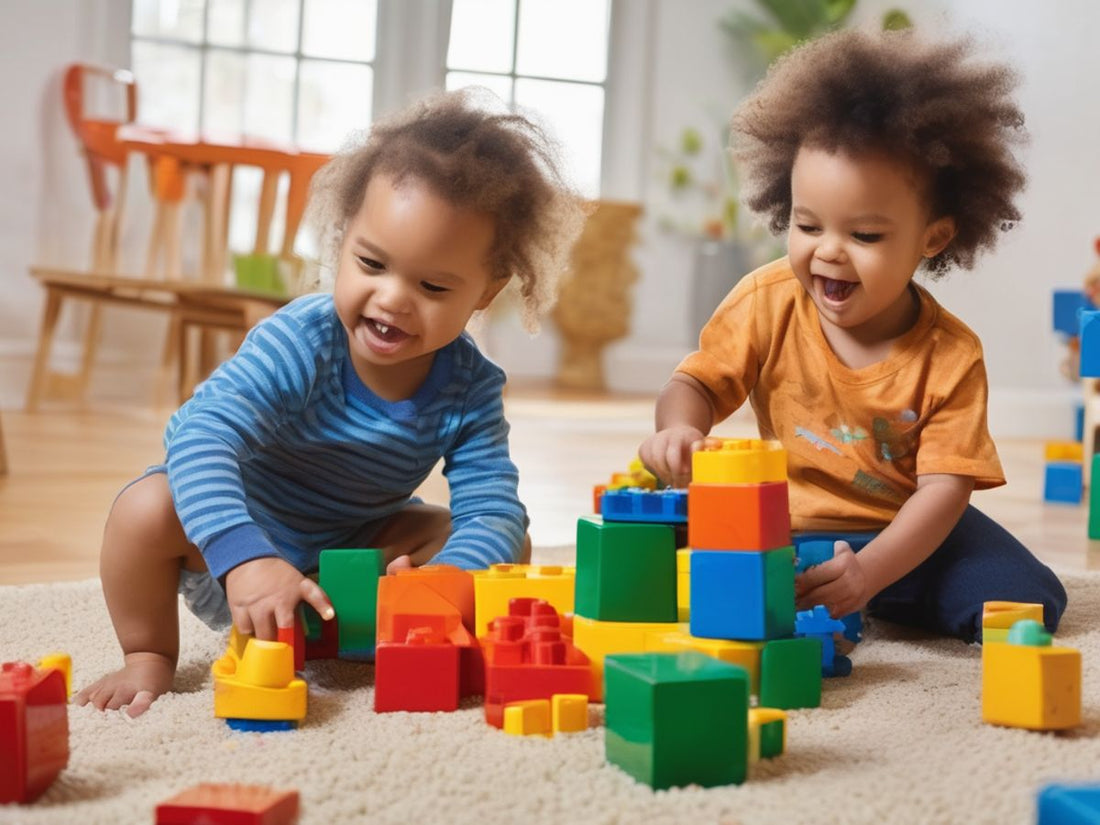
point(299, 71)
point(515, 48)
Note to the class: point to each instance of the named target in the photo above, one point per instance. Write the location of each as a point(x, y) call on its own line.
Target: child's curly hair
point(928, 103)
point(472, 152)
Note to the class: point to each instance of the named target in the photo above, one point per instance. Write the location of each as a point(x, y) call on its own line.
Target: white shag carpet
point(899, 741)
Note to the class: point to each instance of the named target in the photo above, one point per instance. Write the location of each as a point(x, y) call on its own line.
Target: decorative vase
point(594, 304)
point(717, 267)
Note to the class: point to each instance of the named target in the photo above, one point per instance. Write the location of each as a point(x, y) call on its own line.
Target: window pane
point(273, 25)
point(482, 35)
point(168, 85)
point(340, 28)
point(223, 95)
point(225, 22)
point(575, 113)
point(269, 97)
point(334, 100)
point(545, 25)
point(501, 85)
point(177, 19)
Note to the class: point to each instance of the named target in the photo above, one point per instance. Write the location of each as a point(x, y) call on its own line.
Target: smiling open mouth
point(386, 332)
point(837, 290)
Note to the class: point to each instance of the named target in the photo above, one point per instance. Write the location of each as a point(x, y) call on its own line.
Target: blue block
point(1067, 303)
point(853, 627)
point(261, 725)
point(1090, 343)
point(1063, 482)
point(1069, 805)
point(636, 504)
point(1079, 422)
point(818, 624)
point(746, 595)
point(815, 548)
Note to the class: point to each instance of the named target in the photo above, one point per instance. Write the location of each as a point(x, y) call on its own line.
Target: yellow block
point(740, 461)
point(744, 654)
point(568, 712)
point(62, 662)
point(1065, 451)
point(758, 717)
point(1038, 688)
point(527, 718)
point(255, 679)
point(683, 584)
point(495, 587)
point(598, 639)
point(1006, 614)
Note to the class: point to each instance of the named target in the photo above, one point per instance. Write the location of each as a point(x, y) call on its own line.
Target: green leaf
point(680, 178)
point(896, 20)
point(691, 142)
point(773, 44)
point(798, 18)
point(837, 11)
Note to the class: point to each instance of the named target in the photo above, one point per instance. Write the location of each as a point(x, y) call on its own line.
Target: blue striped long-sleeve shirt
point(283, 451)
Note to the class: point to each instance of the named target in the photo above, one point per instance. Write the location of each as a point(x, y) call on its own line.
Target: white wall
point(675, 69)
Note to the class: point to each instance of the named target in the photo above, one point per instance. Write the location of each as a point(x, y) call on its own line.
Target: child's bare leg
point(419, 531)
point(144, 547)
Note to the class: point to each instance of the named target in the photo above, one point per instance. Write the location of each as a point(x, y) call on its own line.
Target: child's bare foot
point(143, 678)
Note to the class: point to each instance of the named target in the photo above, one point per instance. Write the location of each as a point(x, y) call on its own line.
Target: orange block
point(452, 585)
point(738, 516)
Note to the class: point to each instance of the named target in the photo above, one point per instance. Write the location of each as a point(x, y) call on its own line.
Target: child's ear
point(491, 291)
point(938, 235)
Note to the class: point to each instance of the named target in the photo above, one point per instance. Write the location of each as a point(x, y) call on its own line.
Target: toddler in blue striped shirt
point(336, 408)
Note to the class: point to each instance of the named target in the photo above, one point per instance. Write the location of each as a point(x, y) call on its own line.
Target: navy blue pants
point(979, 561)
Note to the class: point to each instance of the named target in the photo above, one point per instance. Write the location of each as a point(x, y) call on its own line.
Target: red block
point(528, 657)
point(738, 516)
point(34, 730)
point(296, 638)
point(327, 646)
point(229, 804)
point(419, 674)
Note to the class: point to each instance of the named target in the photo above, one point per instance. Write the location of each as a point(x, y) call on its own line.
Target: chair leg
point(171, 365)
point(40, 373)
point(91, 345)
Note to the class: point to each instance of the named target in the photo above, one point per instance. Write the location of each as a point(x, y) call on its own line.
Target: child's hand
point(838, 583)
point(400, 563)
point(667, 453)
point(263, 594)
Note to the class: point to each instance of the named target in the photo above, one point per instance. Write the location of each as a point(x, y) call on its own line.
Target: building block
point(745, 595)
point(1063, 482)
point(1002, 615)
point(790, 673)
point(635, 476)
point(738, 516)
point(34, 730)
point(419, 674)
point(1064, 451)
point(677, 719)
point(261, 725)
point(452, 584)
point(818, 624)
point(62, 662)
point(683, 584)
point(1094, 500)
point(1027, 683)
point(495, 587)
point(638, 504)
point(349, 578)
point(528, 657)
point(229, 804)
point(740, 461)
point(295, 637)
point(254, 679)
point(767, 733)
point(600, 639)
point(1069, 805)
point(568, 712)
point(1067, 303)
point(528, 718)
point(1089, 335)
point(814, 548)
point(322, 639)
point(1079, 422)
point(742, 654)
point(625, 572)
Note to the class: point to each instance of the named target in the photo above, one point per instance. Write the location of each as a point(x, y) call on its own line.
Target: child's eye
point(369, 264)
point(430, 287)
point(809, 229)
point(867, 237)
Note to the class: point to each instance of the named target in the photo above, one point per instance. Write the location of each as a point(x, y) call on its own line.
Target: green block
point(626, 571)
point(1094, 499)
point(771, 739)
point(350, 579)
point(676, 719)
point(790, 673)
point(259, 272)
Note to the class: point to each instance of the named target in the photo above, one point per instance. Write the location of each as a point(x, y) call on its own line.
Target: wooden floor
point(66, 467)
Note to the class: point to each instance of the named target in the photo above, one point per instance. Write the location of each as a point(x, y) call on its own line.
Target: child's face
point(413, 268)
point(859, 229)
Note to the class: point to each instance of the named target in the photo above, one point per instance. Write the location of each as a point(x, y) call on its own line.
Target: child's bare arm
point(263, 594)
point(684, 417)
point(848, 581)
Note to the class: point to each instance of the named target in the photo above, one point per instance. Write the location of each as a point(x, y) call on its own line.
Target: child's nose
point(830, 249)
point(393, 295)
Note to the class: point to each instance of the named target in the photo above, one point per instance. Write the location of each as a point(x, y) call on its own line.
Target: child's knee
point(144, 516)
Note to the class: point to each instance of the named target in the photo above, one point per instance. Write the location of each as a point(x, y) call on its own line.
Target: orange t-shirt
point(856, 439)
